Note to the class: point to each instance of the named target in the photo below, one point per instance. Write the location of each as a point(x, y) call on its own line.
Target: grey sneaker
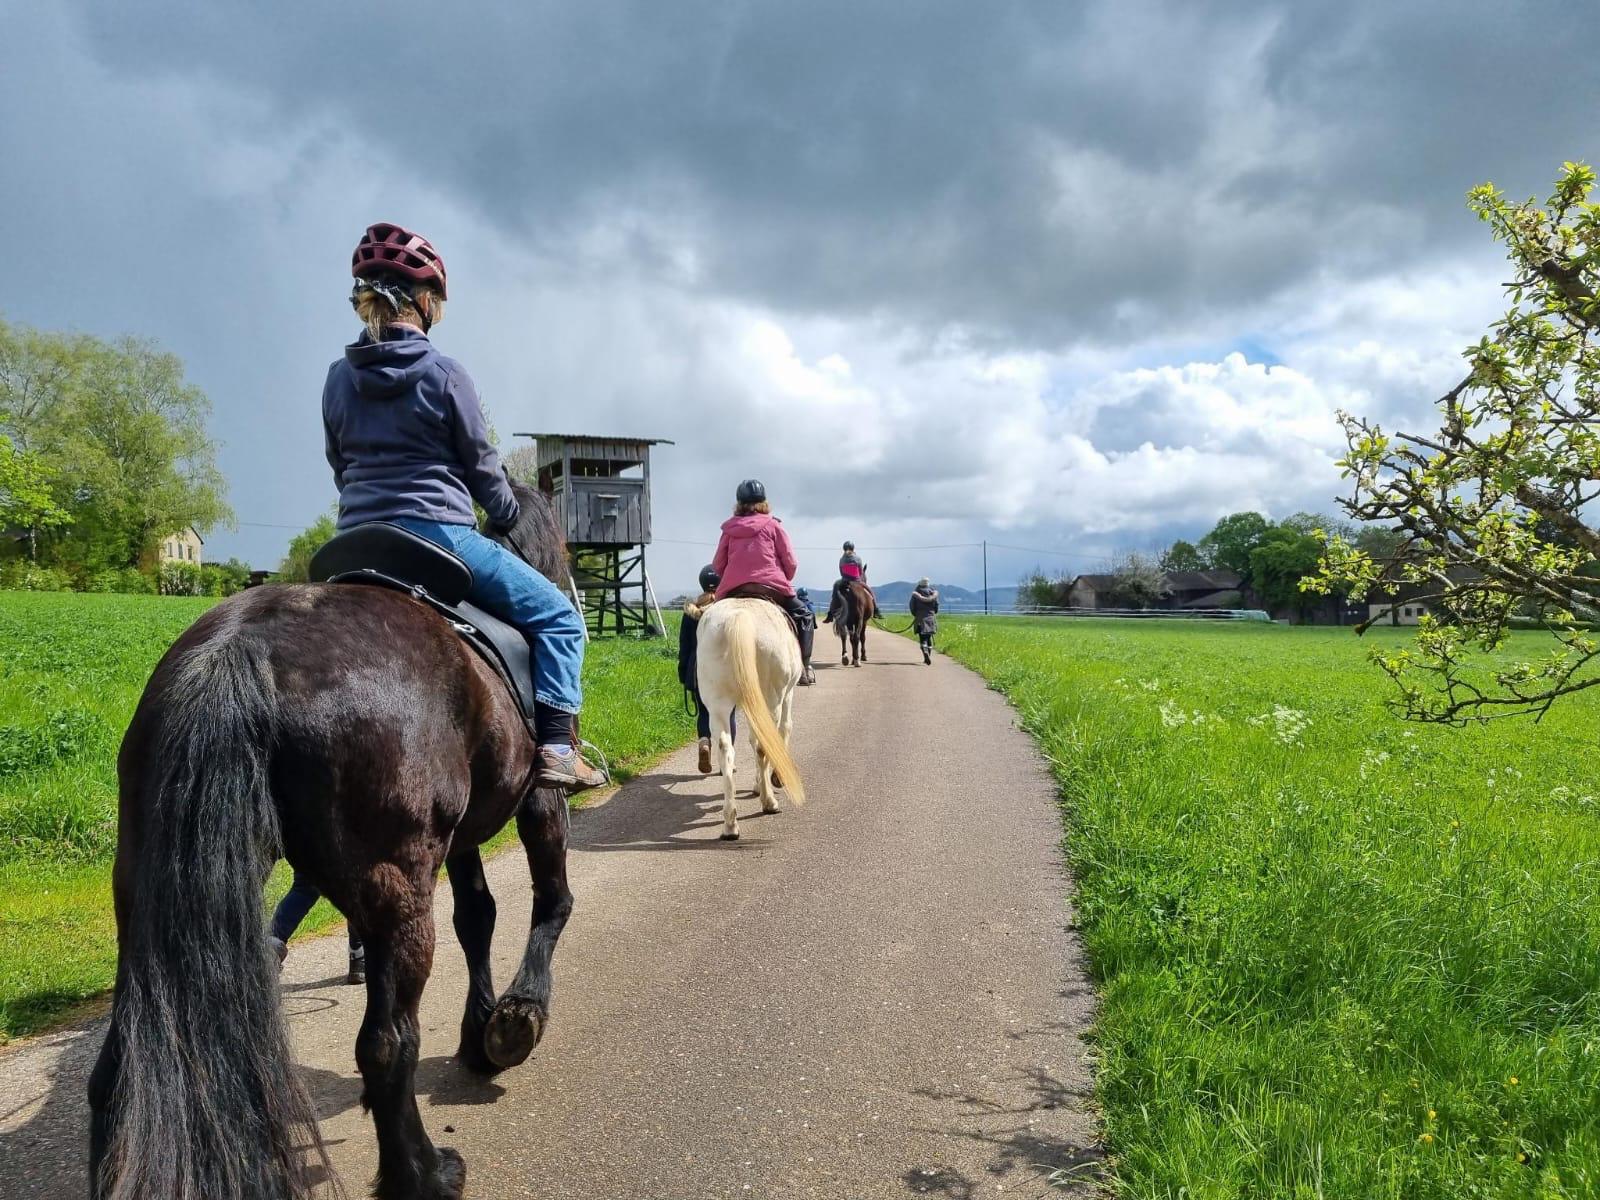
point(358, 968)
point(563, 766)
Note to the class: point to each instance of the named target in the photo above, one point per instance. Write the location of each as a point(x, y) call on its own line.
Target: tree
point(124, 437)
point(1379, 541)
point(1038, 590)
point(1137, 581)
point(224, 578)
point(1182, 556)
point(522, 464)
point(296, 564)
point(1230, 541)
point(26, 503)
point(1284, 556)
point(1492, 506)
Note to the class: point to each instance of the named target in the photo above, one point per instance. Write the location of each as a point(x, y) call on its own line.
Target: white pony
point(747, 660)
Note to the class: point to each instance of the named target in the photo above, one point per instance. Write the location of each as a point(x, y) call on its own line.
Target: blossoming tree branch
point(1494, 507)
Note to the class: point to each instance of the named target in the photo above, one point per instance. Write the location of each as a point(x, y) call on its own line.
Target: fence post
point(986, 577)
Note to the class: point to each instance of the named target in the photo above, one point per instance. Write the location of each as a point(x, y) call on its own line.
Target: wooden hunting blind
point(600, 487)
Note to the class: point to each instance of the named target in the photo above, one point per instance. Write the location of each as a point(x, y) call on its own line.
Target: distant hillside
point(952, 598)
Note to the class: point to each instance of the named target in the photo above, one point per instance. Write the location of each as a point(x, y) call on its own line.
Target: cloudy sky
point(1077, 277)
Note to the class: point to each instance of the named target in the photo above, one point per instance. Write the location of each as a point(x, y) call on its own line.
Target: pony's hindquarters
point(195, 1095)
point(748, 660)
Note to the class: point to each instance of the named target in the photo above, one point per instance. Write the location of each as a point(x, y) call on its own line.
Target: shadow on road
point(649, 815)
point(1017, 1144)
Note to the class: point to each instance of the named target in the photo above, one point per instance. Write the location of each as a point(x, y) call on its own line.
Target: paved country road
point(874, 995)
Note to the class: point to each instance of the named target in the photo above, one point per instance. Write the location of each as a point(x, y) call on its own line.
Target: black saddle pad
point(381, 554)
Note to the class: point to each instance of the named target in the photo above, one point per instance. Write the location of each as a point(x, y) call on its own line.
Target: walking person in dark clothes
point(688, 641)
point(292, 909)
point(925, 616)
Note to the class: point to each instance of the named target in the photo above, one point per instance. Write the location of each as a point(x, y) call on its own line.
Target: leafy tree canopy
point(122, 440)
point(1230, 541)
point(1182, 556)
point(296, 564)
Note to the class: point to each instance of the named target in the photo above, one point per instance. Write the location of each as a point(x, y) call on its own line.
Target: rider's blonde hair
point(744, 510)
point(377, 313)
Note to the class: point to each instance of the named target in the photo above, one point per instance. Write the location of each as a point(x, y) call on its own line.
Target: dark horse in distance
point(348, 729)
point(860, 606)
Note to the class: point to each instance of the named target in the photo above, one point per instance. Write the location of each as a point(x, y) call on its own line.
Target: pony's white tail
point(753, 703)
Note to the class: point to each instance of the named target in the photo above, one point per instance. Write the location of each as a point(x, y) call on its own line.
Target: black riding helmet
point(849, 545)
point(709, 578)
point(751, 491)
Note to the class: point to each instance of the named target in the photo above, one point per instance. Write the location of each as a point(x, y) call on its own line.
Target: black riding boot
point(805, 624)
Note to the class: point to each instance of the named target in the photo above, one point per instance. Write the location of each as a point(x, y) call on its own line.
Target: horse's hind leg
point(764, 784)
point(520, 1017)
point(102, 1086)
point(474, 918)
point(398, 924)
point(730, 806)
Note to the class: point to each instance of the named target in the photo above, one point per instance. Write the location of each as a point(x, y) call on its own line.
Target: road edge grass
point(1322, 967)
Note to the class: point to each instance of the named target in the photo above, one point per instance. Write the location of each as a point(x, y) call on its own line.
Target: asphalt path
point(874, 995)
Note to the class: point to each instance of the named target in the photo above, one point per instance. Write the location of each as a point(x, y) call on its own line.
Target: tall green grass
point(1338, 955)
point(72, 667)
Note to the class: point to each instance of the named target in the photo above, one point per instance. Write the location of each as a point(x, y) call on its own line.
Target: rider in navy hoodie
point(408, 443)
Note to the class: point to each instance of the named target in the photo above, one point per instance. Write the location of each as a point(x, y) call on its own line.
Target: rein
point(910, 625)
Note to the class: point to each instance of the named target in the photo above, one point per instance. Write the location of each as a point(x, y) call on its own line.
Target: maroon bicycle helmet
point(390, 250)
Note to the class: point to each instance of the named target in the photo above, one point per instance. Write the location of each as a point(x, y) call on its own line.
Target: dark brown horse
point(350, 730)
point(860, 607)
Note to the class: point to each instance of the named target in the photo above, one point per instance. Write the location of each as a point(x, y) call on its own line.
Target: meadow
point(1337, 954)
point(72, 668)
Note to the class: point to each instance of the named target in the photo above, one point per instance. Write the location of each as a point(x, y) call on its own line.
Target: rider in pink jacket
point(755, 557)
point(755, 549)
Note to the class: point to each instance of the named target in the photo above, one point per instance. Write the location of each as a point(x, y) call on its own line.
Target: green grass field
point(71, 670)
point(1337, 955)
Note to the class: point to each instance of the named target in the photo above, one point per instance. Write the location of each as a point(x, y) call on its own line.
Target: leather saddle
point(382, 554)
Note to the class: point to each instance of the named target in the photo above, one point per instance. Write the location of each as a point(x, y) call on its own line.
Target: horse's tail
point(753, 702)
point(205, 1103)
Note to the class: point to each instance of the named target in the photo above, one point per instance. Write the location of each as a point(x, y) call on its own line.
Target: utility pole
point(986, 577)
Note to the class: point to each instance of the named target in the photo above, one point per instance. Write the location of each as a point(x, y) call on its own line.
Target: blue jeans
point(507, 587)
point(294, 906)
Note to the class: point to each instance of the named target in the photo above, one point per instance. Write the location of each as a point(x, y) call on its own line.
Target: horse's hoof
point(450, 1177)
point(512, 1033)
point(729, 837)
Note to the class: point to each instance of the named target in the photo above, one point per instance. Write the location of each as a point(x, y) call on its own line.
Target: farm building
point(1408, 603)
point(184, 546)
point(1185, 589)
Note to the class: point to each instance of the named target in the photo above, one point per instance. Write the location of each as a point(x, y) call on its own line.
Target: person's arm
point(688, 635)
point(486, 478)
point(719, 560)
point(330, 443)
point(785, 549)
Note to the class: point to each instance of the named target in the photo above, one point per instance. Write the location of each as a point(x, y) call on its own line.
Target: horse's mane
point(536, 538)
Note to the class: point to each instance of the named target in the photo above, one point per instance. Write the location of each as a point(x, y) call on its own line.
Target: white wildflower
point(1286, 724)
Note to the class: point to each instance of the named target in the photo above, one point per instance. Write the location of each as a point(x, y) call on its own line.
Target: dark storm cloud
point(1034, 173)
point(669, 218)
